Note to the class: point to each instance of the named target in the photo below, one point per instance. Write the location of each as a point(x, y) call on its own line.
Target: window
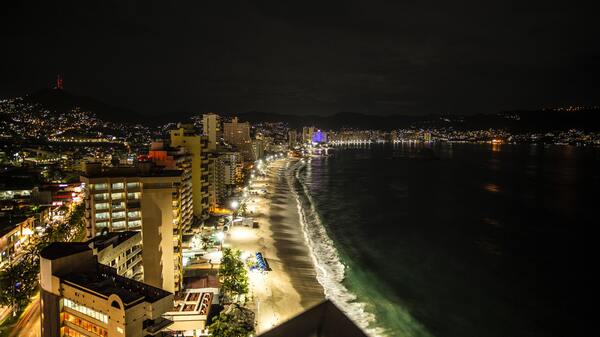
point(117, 195)
point(118, 205)
point(101, 224)
point(135, 223)
point(85, 310)
point(101, 196)
point(100, 187)
point(72, 333)
point(82, 323)
point(131, 186)
point(118, 186)
point(118, 224)
point(133, 214)
point(102, 206)
point(117, 215)
point(101, 216)
point(135, 195)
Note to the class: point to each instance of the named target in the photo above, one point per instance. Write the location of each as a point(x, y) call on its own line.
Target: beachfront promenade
point(290, 287)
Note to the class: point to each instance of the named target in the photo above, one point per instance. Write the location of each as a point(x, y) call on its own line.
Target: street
point(29, 321)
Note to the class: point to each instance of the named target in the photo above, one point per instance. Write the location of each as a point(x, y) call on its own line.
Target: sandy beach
point(290, 286)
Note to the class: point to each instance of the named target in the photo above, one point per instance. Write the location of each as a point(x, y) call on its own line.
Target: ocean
point(453, 239)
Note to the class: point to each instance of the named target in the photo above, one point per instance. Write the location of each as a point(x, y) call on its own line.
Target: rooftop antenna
point(59, 82)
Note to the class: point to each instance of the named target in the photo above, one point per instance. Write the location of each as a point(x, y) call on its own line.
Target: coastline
point(291, 286)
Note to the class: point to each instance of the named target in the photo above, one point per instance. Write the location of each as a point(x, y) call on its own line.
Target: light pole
point(221, 237)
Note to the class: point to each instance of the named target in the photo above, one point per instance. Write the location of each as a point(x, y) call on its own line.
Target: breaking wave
point(329, 268)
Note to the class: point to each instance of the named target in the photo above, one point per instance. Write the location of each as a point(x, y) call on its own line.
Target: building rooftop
point(104, 281)
point(57, 250)
point(111, 239)
point(118, 172)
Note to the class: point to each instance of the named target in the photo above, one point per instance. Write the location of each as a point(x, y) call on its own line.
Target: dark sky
point(410, 57)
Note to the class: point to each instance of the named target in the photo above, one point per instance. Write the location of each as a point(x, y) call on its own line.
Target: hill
point(61, 101)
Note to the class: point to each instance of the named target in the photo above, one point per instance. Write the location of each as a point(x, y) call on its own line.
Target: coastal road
point(29, 322)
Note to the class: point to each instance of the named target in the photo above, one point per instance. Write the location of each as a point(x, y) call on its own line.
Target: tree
point(206, 242)
point(18, 281)
point(236, 322)
point(243, 209)
point(233, 271)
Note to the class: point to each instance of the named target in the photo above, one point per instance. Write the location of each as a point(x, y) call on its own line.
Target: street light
point(234, 204)
point(221, 237)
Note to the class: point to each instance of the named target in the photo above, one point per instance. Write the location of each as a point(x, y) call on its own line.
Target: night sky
point(306, 57)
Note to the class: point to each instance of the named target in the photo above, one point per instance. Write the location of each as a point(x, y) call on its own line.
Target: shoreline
point(291, 286)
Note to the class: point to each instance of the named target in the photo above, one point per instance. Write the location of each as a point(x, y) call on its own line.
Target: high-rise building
point(228, 173)
point(238, 135)
point(211, 128)
point(292, 139)
point(81, 297)
point(258, 149)
point(185, 136)
point(139, 198)
point(177, 159)
point(307, 133)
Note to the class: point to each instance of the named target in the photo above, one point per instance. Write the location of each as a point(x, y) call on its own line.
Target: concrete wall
point(157, 237)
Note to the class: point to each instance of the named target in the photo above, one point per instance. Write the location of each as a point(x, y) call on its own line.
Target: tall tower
point(59, 82)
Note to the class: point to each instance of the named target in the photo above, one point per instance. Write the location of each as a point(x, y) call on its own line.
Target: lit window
point(135, 223)
point(118, 224)
point(117, 195)
point(85, 310)
point(131, 186)
point(100, 187)
point(101, 206)
point(117, 215)
point(118, 186)
point(134, 214)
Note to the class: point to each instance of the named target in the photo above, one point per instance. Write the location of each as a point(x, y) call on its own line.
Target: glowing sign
point(318, 137)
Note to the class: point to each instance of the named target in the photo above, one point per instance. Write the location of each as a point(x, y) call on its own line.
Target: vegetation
point(234, 274)
point(243, 210)
point(235, 321)
point(206, 242)
point(19, 280)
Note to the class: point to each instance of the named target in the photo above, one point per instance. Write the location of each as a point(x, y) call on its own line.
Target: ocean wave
point(328, 265)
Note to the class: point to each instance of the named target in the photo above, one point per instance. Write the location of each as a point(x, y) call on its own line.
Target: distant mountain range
point(539, 120)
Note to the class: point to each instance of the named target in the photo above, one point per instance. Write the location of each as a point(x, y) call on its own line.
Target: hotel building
point(238, 134)
point(211, 128)
point(185, 136)
point(81, 297)
point(140, 198)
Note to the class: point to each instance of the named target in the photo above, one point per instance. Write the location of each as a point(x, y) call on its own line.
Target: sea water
point(457, 240)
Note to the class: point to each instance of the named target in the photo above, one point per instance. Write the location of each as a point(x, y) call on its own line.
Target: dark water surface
point(484, 241)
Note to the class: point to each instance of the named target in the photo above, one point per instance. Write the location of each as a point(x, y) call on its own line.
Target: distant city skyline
point(306, 58)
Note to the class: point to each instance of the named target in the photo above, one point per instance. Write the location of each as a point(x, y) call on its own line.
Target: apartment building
point(238, 135)
point(211, 125)
point(144, 198)
point(185, 136)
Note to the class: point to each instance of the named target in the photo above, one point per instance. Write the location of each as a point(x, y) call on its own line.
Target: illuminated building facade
point(80, 297)
point(140, 198)
point(185, 136)
point(238, 134)
point(121, 251)
point(212, 129)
